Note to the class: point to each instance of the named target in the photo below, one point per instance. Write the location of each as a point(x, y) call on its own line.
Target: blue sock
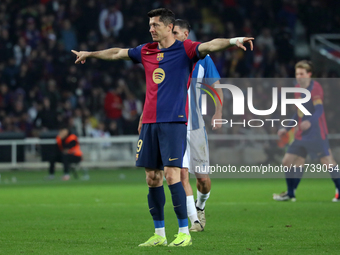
point(337, 183)
point(156, 200)
point(290, 180)
point(298, 175)
point(335, 174)
point(179, 200)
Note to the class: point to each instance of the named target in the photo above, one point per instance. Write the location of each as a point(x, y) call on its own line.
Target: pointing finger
point(251, 45)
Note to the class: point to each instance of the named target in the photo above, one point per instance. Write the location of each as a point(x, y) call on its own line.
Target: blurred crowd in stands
point(41, 88)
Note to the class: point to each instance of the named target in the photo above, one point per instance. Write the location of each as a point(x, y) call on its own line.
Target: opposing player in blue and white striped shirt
point(197, 152)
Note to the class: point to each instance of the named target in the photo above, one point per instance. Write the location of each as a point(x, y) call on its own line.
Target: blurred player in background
point(197, 141)
point(310, 136)
point(68, 152)
point(168, 64)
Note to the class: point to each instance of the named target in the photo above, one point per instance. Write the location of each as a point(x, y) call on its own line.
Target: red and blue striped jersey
point(167, 73)
point(318, 128)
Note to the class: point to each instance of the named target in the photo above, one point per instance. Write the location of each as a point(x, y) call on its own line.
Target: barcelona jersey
point(318, 127)
point(167, 73)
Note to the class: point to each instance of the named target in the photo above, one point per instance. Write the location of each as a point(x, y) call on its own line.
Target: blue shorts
point(314, 148)
point(161, 144)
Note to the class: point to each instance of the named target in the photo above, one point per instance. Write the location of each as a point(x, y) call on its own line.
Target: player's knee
point(328, 161)
point(170, 178)
point(172, 175)
point(202, 181)
point(149, 181)
point(153, 178)
point(286, 162)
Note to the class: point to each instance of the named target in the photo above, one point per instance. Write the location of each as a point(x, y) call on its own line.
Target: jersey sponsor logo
point(200, 161)
point(160, 56)
point(180, 116)
point(158, 75)
point(172, 159)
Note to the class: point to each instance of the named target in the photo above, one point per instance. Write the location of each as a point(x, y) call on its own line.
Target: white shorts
point(196, 156)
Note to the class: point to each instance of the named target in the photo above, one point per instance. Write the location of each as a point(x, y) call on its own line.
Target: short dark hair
point(165, 15)
point(183, 24)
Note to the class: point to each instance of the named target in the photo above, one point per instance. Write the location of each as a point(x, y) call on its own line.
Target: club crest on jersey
point(160, 56)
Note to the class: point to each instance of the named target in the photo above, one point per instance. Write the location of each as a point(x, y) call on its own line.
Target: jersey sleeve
point(191, 48)
point(211, 74)
point(136, 54)
point(317, 94)
point(211, 70)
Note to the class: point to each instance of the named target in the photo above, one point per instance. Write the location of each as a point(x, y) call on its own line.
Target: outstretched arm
point(222, 44)
point(109, 54)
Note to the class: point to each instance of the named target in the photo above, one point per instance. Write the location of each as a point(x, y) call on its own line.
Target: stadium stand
point(40, 87)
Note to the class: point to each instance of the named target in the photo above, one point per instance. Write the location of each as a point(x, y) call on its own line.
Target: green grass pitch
point(108, 214)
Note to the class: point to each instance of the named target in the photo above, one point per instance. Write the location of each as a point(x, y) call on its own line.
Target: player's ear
point(186, 33)
point(171, 26)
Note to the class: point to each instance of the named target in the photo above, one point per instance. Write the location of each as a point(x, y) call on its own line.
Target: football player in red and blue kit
point(310, 137)
point(168, 65)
